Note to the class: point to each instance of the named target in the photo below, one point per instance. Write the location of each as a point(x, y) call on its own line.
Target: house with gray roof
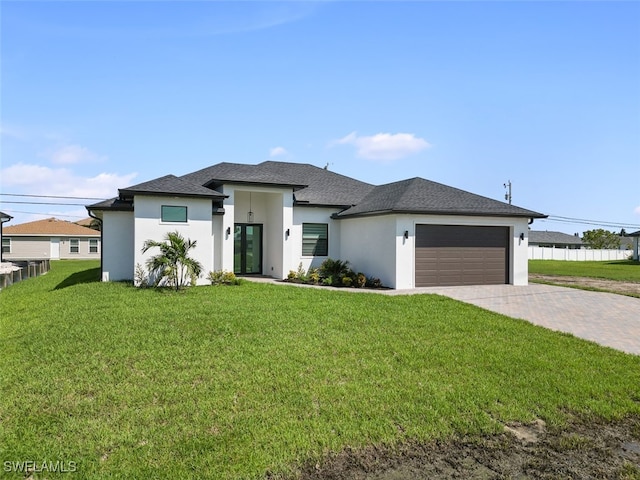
point(636, 246)
point(4, 217)
point(270, 218)
point(554, 240)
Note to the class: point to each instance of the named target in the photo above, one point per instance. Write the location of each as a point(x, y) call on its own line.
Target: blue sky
point(98, 96)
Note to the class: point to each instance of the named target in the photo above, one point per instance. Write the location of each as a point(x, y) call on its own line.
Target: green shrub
point(141, 278)
point(334, 268)
point(360, 281)
point(313, 276)
point(347, 281)
point(222, 277)
point(373, 282)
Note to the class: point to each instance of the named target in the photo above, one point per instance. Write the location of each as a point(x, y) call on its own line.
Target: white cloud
point(42, 180)
point(71, 154)
point(384, 146)
point(278, 152)
point(637, 210)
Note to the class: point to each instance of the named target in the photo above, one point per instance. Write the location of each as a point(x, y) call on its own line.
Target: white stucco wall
point(312, 215)
point(369, 244)
point(117, 249)
point(148, 226)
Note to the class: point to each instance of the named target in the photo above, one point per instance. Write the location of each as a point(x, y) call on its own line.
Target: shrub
point(334, 268)
point(360, 281)
point(222, 277)
point(327, 281)
point(347, 281)
point(373, 282)
point(140, 277)
point(313, 276)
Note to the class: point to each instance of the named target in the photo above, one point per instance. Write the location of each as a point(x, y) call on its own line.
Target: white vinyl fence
point(577, 255)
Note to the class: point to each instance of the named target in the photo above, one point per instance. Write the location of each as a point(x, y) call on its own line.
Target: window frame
point(72, 246)
point(162, 213)
point(316, 242)
point(8, 246)
point(97, 245)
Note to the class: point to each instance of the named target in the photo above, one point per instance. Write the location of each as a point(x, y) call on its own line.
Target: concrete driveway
point(605, 318)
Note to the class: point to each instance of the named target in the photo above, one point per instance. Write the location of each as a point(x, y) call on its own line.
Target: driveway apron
point(605, 318)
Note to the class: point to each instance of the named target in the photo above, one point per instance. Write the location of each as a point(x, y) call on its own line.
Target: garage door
point(461, 255)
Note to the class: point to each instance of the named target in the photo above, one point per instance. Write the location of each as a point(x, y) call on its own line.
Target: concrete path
point(605, 318)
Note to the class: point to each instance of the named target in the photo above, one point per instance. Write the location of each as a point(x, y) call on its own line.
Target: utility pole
point(507, 196)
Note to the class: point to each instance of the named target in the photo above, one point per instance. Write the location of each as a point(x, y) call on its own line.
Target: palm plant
point(173, 262)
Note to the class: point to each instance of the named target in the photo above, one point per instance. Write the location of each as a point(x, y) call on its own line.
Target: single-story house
point(271, 218)
point(636, 241)
point(554, 240)
point(50, 239)
point(4, 217)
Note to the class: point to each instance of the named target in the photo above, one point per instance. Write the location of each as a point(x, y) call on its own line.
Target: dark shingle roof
point(112, 204)
point(172, 185)
point(417, 195)
point(312, 185)
point(634, 234)
point(553, 238)
point(5, 215)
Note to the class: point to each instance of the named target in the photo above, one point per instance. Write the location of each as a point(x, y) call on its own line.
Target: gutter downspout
point(101, 240)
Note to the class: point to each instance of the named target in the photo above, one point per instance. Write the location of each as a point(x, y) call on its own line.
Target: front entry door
point(247, 249)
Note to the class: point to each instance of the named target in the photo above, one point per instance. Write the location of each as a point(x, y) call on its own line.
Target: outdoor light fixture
point(287, 232)
point(228, 230)
point(522, 236)
point(250, 213)
point(406, 234)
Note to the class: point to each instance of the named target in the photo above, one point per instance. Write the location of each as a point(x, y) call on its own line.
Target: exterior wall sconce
point(228, 230)
point(287, 232)
point(406, 234)
point(522, 236)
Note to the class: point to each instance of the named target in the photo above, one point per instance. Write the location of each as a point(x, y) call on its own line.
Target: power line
point(44, 214)
point(44, 203)
point(49, 196)
point(601, 223)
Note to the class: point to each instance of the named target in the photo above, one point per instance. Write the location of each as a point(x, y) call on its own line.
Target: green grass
point(621, 270)
point(241, 382)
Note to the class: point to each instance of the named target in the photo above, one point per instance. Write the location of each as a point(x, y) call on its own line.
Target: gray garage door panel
point(461, 255)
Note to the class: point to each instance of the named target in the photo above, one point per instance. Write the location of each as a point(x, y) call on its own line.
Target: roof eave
point(439, 212)
point(218, 183)
point(214, 196)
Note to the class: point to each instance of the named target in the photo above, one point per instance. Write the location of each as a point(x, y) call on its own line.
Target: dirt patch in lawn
point(613, 286)
point(579, 451)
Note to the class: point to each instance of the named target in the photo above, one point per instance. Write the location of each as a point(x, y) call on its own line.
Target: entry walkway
point(605, 318)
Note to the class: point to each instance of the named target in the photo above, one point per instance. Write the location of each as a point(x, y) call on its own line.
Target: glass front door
point(247, 249)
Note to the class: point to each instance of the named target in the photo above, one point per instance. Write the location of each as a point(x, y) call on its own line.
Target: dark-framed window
point(6, 245)
point(315, 239)
point(173, 214)
point(93, 245)
point(74, 245)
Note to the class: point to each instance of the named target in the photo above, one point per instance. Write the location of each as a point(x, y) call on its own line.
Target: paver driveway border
point(606, 318)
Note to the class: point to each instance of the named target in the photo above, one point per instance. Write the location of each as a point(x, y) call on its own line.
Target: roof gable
point(312, 185)
point(417, 195)
point(50, 226)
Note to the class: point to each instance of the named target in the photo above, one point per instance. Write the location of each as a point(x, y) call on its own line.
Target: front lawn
point(254, 380)
point(620, 270)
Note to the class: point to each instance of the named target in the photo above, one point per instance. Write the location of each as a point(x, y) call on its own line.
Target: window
point(315, 239)
point(6, 245)
point(93, 245)
point(74, 245)
point(172, 213)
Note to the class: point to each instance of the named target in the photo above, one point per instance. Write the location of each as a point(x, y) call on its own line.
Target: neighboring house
point(636, 241)
point(554, 240)
point(272, 217)
point(50, 239)
point(4, 218)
